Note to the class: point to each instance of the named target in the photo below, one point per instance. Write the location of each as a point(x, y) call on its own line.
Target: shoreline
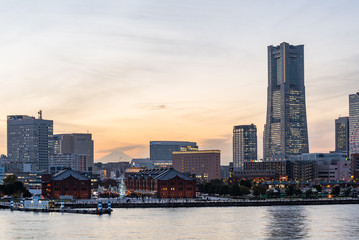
point(243, 203)
point(200, 204)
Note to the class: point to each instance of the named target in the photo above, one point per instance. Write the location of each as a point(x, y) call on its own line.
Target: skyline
point(131, 73)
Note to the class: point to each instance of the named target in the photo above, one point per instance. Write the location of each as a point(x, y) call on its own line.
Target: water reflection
point(287, 222)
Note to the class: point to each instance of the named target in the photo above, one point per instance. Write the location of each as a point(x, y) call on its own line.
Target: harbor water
point(273, 222)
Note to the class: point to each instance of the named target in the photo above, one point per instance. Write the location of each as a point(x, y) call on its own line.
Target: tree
point(298, 192)
point(290, 190)
point(244, 190)
point(309, 193)
point(213, 188)
point(10, 179)
point(347, 192)
point(245, 183)
point(234, 190)
point(224, 189)
point(26, 194)
point(335, 191)
point(259, 190)
point(14, 188)
point(318, 188)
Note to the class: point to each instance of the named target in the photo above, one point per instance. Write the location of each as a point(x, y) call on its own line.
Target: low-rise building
point(279, 167)
point(66, 183)
point(162, 183)
point(254, 174)
point(330, 166)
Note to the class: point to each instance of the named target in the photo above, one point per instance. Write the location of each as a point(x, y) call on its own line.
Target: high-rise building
point(342, 134)
point(29, 142)
point(244, 144)
point(205, 164)
point(73, 151)
point(354, 123)
point(285, 131)
point(162, 150)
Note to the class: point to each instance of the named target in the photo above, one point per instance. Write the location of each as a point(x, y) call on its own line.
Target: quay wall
point(249, 203)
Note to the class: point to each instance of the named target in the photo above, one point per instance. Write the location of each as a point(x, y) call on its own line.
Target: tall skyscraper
point(162, 150)
point(285, 131)
point(354, 123)
point(342, 134)
point(244, 144)
point(29, 142)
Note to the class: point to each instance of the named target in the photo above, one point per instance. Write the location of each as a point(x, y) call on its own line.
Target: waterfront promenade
point(196, 203)
point(220, 202)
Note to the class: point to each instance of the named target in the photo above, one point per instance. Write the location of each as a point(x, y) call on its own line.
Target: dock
point(94, 210)
point(68, 210)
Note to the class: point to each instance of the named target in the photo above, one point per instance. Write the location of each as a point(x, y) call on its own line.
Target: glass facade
point(244, 144)
point(29, 141)
point(285, 131)
point(354, 123)
point(162, 150)
point(342, 134)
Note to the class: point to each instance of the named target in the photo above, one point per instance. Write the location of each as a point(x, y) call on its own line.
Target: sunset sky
point(134, 71)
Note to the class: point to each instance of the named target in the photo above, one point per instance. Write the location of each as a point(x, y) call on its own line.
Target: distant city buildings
point(204, 164)
point(331, 166)
point(244, 144)
point(162, 150)
point(304, 167)
point(73, 151)
point(111, 170)
point(29, 142)
point(342, 134)
point(2, 174)
point(354, 123)
point(355, 165)
point(150, 164)
point(285, 131)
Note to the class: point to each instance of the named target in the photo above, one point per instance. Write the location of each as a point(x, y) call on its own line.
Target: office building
point(354, 123)
point(29, 142)
point(302, 170)
point(162, 150)
point(2, 174)
point(355, 165)
point(285, 131)
point(205, 164)
point(332, 166)
point(75, 151)
point(342, 134)
point(244, 144)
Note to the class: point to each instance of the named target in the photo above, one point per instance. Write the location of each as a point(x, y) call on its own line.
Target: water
point(276, 222)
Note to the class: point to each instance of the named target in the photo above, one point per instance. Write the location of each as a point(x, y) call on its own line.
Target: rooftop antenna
point(40, 114)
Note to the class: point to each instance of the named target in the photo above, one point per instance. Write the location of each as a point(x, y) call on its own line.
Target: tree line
point(12, 187)
point(235, 188)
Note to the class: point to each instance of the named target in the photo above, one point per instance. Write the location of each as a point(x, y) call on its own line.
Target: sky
point(130, 72)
